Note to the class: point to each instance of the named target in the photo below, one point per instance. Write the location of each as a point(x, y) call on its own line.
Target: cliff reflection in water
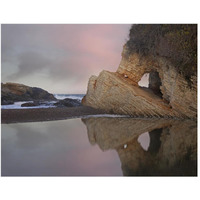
point(172, 148)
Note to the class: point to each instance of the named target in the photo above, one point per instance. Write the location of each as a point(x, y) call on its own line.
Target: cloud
point(29, 63)
point(60, 54)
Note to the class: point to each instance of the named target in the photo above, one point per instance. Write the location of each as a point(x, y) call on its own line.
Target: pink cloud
point(92, 45)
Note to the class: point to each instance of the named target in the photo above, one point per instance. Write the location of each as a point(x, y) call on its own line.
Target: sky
point(60, 58)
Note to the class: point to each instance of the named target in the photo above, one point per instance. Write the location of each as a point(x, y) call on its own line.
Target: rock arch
point(168, 94)
point(152, 81)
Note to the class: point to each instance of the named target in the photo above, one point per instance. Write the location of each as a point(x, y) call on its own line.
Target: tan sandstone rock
point(118, 92)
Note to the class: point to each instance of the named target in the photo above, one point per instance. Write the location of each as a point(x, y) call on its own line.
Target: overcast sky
point(60, 58)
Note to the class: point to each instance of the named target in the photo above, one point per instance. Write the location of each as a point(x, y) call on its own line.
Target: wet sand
point(45, 114)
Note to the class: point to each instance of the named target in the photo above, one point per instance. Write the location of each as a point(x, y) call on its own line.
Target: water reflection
point(144, 140)
point(172, 149)
point(57, 148)
point(116, 146)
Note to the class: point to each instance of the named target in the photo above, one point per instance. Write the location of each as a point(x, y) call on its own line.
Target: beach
point(45, 114)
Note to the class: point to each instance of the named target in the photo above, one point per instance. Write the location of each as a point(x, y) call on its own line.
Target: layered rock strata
point(119, 92)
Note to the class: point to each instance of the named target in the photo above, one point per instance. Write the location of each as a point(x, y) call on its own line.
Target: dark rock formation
point(29, 104)
point(6, 102)
point(18, 92)
point(67, 102)
point(38, 103)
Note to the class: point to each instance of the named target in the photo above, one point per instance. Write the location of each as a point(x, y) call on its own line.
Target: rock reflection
point(172, 149)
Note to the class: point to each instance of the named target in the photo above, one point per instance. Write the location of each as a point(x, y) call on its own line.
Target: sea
point(48, 104)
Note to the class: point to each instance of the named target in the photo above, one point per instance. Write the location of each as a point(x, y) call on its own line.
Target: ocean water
point(57, 148)
point(100, 146)
point(71, 96)
point(48, 104)
point(17, 105)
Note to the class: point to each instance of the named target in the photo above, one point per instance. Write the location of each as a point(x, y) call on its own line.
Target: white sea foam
point(71, 96)
point(17, 105)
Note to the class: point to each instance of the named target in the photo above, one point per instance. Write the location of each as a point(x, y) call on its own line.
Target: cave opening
point(151, 81)
point(155, 83)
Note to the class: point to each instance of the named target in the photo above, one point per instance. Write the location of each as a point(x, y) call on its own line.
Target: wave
point(17, 105)
point(71, 96)
point(48, 104)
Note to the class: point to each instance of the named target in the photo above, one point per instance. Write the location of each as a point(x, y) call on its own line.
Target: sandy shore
point(45, 114)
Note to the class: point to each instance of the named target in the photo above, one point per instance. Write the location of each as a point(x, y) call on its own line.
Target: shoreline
point(46, 114)
point(9, 116)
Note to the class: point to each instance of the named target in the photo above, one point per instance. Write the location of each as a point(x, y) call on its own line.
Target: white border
point(104, 11)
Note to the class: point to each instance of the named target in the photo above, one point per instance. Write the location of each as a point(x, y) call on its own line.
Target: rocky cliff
point(11, 92)
point(170, 94)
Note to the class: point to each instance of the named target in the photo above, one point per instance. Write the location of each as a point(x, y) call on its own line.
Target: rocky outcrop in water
point(29, 104)
point(67, 102)
point(19, 92)
point(171, 93)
